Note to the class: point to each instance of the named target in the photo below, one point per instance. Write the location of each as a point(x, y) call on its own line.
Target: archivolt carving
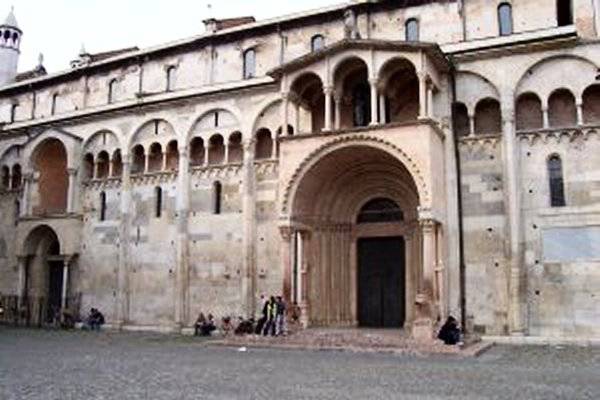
point(558, 136)
point(479, 143)
point(350, 140)
point(217, 171)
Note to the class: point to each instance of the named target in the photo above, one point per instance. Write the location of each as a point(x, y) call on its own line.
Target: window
point(412, 30)
point(158, 198)
point(102, 206)
point(380, 210)
point(564, 12)
point(53, 104)
point(170, 78)
point(555, 176)
point(112, 88)
point(13, 112)
point(217, 189)
point(249, 64)
point(505, 22)
point(317, 43)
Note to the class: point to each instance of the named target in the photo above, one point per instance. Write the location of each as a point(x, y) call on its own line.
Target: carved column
point(546, 119)
point(430, 101)
point(423, 326)
point(72, 172)
point(248, 281)
point(471, 125)
point(579, 112)
point(65, 284)
point(297, 118)
point(274, 145)
point(26, 201)
point(338, 111)
point(163, 161)
point(374, 117)
point(286, 261)
point(382, 110)
point(328, 91)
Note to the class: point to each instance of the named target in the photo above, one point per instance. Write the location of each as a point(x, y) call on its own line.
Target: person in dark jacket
point(280, 316)
point(271, 315)
point(450, 332)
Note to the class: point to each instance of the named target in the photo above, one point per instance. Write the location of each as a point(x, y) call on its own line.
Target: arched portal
point(354, 221)
point(45, 283)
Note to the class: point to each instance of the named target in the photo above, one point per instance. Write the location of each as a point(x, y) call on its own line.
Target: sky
point(58, 28)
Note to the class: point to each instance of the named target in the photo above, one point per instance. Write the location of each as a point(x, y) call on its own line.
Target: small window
point(249, 64)
point(564, 12)
point(13, 112)
point(112, 88)
point(158, 193)
point(317, 43)
point(102, 206)
point(170, 78)
point(555, 176)
point(505, 22)
point(53, 105)
point(217, 189)
point(412, 30)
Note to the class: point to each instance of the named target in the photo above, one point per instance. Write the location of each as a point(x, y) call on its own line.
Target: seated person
point(208, 326)
point(201, 320)
point(94, 320)
point(226, 326)
point(245, 327)
point(450, 332)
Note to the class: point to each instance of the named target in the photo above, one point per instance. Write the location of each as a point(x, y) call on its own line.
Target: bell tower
point(10, 41)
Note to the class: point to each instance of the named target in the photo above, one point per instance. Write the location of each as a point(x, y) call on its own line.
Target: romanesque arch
point(50, 163)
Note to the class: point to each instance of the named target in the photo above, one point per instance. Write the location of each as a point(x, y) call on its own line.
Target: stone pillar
point(72, 172)
point(512, 193)
point(226, 157)
point(337, 124)
point(146, 162)
point(22, 289)
point(182, 267)
point(248, 280)
point(471, 125)
point(579, 112)
point(95, 172)
point(328, 91)
point(274, 144)
point(286, 261)
point(430, 101)
point(422, 95)
point(25, 201)
point(206, 151)
point(423, 326)
point(374, 117)
point(299, 266)
point(122, 298)
point(163, 161)
point(284, 113)
point(65, 285)
point(110, 167)
point(382, 110)
point(545, 117)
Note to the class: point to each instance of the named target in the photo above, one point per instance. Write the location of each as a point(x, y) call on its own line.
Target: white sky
point(57, 28)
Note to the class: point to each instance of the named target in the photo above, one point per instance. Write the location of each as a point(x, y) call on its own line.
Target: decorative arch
point(309, 161)
point(528, 112)
point(50, 160)
point(37, 236)
point(154, 130)
point(472, 87)
point(228, 121)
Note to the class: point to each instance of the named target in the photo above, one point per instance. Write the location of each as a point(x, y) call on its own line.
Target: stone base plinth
point(423, 330)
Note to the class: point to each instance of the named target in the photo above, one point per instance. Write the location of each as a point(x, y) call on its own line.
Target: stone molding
point(558, 135)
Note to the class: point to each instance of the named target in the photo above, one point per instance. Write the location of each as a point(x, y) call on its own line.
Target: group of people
point(271, 322)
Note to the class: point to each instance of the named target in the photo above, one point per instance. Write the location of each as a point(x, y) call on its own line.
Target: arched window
point(564, 12)
point(380, 210)
point(249, 64)
point(505, 22)
point(138, 163)
point(555, 177)
point(171, 77)
point(462, 123)
point(562, 110)
point(412, 30)
point(488, 117)
point(88, 166)
point(197, 151)
point(112, 89)
point(317, 43)
point(158, 194)
point(6, 177)
point(264, 144)
point(102, 165)
point(53, 105)
point(117, 163)
point(217, 189)
point(102, 206)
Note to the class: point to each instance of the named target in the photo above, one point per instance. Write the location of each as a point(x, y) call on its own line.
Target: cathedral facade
point(378, 163)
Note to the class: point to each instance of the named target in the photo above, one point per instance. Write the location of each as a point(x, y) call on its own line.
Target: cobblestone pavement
point(82, 365)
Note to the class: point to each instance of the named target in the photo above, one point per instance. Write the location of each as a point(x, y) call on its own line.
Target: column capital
point(286, 232)
point(427, 224)
point(373, 81)
point(328, 90)
point(285, 95)
point(73, 171)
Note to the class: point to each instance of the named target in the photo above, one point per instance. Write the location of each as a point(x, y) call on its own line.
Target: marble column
point(579, 112)
point(285, 101)
point(182, 268)
point(328, 91)
point(471, 125)
point(248, 281)
point(22, 289)
point(374, 117)
point(430, 101)
point(122, 298)
point(65, 285)
point(546, 119)
point(296, 118)
point(423, 325)
point(338, 112)
point(72, 172)
point(25, 201)
point(382, 111)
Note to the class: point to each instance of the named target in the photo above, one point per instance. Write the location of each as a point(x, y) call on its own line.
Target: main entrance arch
point(354, 221)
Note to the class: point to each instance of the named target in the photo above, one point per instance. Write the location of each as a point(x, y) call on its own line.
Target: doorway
point(55, 287)
point(381, 282)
